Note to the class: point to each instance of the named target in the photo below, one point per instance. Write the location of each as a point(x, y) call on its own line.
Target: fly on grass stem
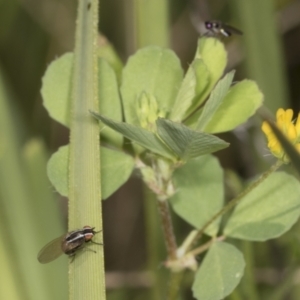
point(68, 243)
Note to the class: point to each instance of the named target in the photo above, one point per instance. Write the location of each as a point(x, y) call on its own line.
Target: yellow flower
point(288, 127)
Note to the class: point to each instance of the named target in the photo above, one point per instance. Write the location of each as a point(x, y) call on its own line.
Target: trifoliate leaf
point(143, 137)
point(185, 142)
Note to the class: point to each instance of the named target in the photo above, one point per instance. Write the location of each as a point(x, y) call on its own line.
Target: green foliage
point(56, 89)
point(154, 71)
point(108, 88)
point(116, 168)
point(220, 272)
point(185, 142)
point(170, 120)
point(194, 81)
point(240, 103)
point(203, 74)
point(137, 134)
point(214, 101)
point(199, 196)
point(264, 213)
point(56, 93)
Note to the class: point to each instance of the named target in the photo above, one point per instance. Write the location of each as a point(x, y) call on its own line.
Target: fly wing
point(51, 251)
point(231, 29)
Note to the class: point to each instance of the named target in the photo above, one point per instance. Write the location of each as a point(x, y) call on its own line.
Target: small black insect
point(68, 243)
point(89, 5)
point(219, 28)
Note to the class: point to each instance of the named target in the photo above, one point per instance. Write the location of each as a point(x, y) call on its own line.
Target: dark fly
point(68, 243)
point(219, 28)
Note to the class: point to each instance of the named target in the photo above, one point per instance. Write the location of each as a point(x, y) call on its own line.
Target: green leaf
point(187, 91)
point(215, 100)
point(115, 170)
point(107, 52)
point(56, 93)
point(56, 88)
point(185, 142)
point(57, 170)
point(143, 137)
point(199, 192)
point(152, 70)
point(203, 80)
point(267, 211)
point(214, 56)
point(110, 102)
point(219, 273)
point(240, 103)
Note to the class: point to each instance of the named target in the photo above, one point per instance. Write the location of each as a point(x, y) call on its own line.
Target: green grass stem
point(86, 272)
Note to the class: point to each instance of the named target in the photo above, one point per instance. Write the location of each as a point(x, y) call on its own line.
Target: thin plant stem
point(204, 247)
point(168, 230)
point(154, 243)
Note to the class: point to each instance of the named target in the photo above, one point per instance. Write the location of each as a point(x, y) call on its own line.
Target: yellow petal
point(288, 115)
point(279, 113)
point(297, 126)
point(291, 132)
point(266, 128)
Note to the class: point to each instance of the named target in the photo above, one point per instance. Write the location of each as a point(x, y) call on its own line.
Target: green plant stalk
point(235, 201)
point(152, 23)
point(86, 272)
point(170, 241)
point(206, 246)
point(168, 230)
point(153, 241)
point(174, 285)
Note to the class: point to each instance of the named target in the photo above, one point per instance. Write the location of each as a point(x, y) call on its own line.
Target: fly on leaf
point(219, 28)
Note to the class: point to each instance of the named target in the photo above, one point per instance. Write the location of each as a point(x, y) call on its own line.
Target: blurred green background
point(35, 32)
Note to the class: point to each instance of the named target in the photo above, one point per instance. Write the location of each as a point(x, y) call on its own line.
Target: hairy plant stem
point(235, 201)
point(167, 227)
